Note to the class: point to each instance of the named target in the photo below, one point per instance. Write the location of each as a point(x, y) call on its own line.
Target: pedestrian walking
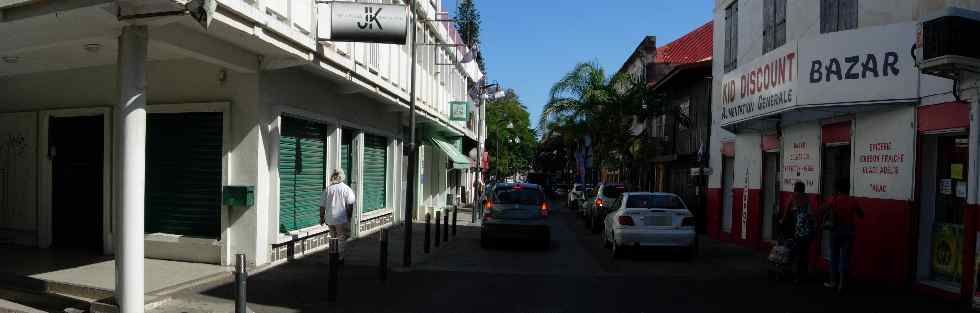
point(841, 212)
point(797, 222)
point(336, 208)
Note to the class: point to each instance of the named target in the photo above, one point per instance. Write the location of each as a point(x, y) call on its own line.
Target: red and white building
point(818, 91)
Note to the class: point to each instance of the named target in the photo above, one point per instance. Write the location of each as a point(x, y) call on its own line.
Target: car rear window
point(613, 191)
point(654, 201)
point(579, 188)
point(508, 195)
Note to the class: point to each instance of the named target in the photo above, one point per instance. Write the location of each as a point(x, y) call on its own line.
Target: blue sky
point(530, 44)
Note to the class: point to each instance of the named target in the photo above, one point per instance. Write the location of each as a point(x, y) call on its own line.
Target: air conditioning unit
point(947, 42)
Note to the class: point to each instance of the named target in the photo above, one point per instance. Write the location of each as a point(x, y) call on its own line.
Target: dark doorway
point(75, 149)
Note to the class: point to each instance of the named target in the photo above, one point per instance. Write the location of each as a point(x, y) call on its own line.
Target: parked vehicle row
point(633, 220)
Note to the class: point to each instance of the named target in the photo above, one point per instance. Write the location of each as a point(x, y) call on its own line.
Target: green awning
point(459, 161)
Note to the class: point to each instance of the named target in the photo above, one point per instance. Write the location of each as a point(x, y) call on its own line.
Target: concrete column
point(131, 132)
point(974, 169)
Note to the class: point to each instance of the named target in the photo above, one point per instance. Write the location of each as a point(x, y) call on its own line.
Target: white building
point(825, 92)
point(252, 101)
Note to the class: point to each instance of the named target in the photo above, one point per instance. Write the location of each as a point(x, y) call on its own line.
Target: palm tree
point(587, 102)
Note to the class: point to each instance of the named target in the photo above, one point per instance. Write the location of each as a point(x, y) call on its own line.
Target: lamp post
point(481, 94)
point(497, 169)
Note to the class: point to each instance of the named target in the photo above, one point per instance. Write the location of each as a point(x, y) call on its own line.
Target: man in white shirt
point(336, 207)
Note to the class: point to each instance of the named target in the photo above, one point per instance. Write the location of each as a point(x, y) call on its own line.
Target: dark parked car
point(516, 213)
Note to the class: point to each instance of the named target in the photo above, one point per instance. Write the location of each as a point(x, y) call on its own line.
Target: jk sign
point(362, 22)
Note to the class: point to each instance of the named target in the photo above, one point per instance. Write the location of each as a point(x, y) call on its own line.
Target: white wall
point(18, 171)
point(169, 82)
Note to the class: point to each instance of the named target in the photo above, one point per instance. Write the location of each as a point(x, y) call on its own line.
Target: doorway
point(770, 194)
point(76, 154)
point(941, 230)
point(836, 160)
point(727, 178)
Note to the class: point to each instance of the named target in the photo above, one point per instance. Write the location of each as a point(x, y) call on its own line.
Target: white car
point(649, 219)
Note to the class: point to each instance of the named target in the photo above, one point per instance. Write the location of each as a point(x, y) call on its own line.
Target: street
point(575, 275)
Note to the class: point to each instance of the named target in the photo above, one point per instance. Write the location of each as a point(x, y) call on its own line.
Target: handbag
point(779, 254)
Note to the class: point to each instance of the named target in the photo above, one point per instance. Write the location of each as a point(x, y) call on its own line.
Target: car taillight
point(598, 202)
point(488, 205)
point(625, 220)
point(688, 221)
point(544, 208)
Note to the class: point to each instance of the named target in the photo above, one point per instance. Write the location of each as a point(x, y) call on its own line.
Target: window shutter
point(828, 16)
point(183, 174)
point(375, 172)
point(767, 25)
point(302, 173)
point(780, 24)
point(848, 14)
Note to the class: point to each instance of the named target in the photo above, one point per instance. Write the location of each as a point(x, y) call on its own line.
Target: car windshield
point(654, 201)
point(613, 191)
point(508, 195)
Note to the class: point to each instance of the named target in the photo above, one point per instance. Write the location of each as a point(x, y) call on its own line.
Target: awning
point(459, 161)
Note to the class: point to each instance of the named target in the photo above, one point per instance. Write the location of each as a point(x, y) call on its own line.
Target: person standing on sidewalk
point(799, 216)
point(336, 208)
point(842, 210)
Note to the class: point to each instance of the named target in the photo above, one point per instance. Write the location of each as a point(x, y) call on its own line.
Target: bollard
point(383, 253)
point(455, 213)
point(241, 275)
point(445, 227)
point(334, 253)
point(438, 233)
point(428, 232)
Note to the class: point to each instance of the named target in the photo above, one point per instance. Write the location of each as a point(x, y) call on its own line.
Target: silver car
point(649, 219)
point(516, 213)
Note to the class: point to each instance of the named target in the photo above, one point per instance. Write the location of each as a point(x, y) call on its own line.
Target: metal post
point(413, 161)
point(334, 255)
point(438, 218)
point(455, 213)
point(445, 227)
point(428, 233)
point(383, 262)
point(241, 277)
point(131, 118)
point(478, 196)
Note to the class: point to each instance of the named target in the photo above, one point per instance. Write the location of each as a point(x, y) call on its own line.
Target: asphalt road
point(576, 274)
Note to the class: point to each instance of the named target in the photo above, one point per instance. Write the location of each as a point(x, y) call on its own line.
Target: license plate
point(658, 220)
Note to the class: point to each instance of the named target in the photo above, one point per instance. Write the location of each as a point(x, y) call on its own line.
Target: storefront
point(848, 108)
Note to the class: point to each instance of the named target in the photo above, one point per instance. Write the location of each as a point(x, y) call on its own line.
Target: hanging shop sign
point(801, 157)
point(459, 110)
point(762, 87)
point(884, 151)
point(362, 22)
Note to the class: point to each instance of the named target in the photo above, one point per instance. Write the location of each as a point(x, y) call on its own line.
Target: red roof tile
point(692, 47)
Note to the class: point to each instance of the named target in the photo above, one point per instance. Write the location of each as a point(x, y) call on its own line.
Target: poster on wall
point(801, 157)
point(947, 251)
point(884, 150)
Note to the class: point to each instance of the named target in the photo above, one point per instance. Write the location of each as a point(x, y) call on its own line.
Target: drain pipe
point(241, 276)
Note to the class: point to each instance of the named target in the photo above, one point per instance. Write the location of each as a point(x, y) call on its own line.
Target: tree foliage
point(468, 27)
point(516, 144)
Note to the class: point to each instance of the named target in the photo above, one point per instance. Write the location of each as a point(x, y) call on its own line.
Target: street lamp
point(481, 94)
point(510, 125)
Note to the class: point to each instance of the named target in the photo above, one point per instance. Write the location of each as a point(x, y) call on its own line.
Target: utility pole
point(413, 152)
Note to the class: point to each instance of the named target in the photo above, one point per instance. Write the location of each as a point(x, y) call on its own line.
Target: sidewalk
point(365, 251)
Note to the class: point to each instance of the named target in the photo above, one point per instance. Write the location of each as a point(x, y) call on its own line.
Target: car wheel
point(606, 243)
point(617, 250)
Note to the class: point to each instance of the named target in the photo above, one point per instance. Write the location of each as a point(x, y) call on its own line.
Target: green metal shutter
point(302, 168)
point(375, 168)
point(183, 174)
point(347, 154)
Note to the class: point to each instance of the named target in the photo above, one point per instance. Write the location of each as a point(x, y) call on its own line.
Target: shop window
point(948, 198)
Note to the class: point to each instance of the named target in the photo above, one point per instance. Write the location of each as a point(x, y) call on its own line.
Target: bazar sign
point(851, 67)
point(764, 86)
point(362, 22)
point(859, 66)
